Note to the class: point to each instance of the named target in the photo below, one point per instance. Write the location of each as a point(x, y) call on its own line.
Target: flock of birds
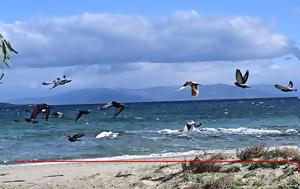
point(241, 81)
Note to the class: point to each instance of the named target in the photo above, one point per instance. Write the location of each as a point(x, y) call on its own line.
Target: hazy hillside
point(162, 93)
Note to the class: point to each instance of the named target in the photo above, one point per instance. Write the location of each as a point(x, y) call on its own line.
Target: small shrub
point(221, 183)
point(258, 183)
point(203, 167)
point(284, 153)
point(232, 169)
point(254, 166)
point(256, 151)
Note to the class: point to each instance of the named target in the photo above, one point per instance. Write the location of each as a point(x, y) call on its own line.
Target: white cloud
point(106, 39)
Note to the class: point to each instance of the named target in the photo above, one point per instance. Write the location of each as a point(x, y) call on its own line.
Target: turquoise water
point(151, 128)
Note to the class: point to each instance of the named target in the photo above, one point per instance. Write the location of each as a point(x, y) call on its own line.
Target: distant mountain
point(161, 93)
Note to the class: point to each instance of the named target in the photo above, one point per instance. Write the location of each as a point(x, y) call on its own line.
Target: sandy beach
point(150, 175)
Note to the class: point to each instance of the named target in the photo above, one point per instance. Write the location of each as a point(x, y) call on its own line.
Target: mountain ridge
point(158, 93)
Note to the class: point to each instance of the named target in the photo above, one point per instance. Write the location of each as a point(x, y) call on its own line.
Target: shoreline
point(153, 156)
point(136, 174)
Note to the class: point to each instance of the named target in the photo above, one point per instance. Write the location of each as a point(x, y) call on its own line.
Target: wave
point(180, 155)
point(236, 131)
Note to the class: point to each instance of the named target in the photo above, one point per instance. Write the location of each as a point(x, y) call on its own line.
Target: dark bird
point(44, 108)
point(194, 86)
point(119, 107)
point(289, 88)
point(74, 138)
point(81, 113)
point(240, 79)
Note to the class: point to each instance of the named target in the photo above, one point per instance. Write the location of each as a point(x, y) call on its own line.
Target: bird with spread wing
point(194, 86)
point(241, 79)
point(119, 107)
point(40, 108)
point(289, 88)
point(5, 51)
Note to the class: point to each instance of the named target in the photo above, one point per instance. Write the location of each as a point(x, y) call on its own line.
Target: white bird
point(289, 88)
point(194, 86)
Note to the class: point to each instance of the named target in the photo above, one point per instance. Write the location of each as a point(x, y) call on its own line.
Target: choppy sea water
point(151, 129)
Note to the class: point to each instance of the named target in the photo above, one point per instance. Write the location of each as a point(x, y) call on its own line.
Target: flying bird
point(194, 86)
point(81, 113)
point(289, 88)
point(240, 79)
point(6, 49)
point(119, 107)
point(57, 82)
point(74, 138)
point(44, 108)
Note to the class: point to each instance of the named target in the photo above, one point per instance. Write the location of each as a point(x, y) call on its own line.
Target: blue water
point(151, 128)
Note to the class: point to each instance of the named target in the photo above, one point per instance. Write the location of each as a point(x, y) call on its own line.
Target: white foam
point(151, 156)
point(237, 131)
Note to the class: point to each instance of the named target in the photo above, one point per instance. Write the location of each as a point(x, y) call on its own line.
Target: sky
point(145, 43)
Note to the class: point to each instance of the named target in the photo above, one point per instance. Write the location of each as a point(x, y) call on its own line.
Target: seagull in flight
point(289, 88)
point(119, 107)
point(194, 86)
point(240, 79)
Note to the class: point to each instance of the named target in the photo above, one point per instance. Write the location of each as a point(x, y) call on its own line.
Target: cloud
point(108, 39)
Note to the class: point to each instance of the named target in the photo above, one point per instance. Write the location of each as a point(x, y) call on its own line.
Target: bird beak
point(181, 88)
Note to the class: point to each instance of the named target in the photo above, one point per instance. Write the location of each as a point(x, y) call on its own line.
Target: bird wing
point(195, 90)
point(290, 85)
point(79, 115)
point(9, 47)
point(108, 105)
point(55, 85)
point(47, 83)
point(78, 136)
point(280, 87)
point(245, 78)
point(1, 77)
point(238, 76)
point(36, 111)
point(47, 112)
point(4, 50)
point(119, 110)
point(183, 87)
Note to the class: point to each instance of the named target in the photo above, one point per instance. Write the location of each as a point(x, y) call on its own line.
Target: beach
point(150, 175)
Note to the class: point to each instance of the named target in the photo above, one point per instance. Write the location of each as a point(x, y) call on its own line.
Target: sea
point(149, 129)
